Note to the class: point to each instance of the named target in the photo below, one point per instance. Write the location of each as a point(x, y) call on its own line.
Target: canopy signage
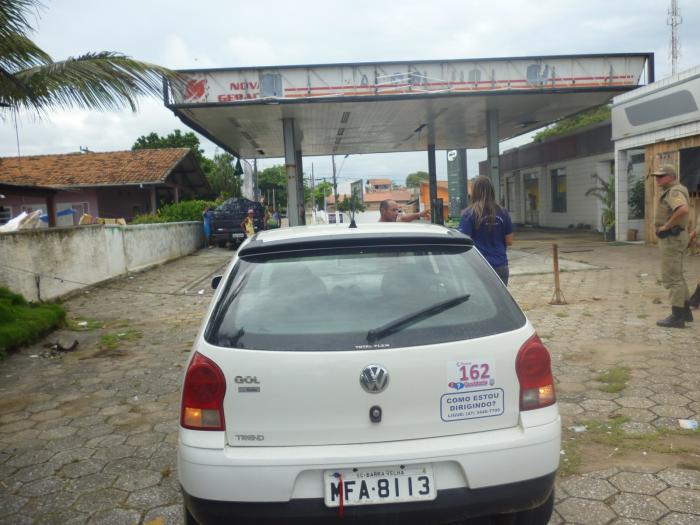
point(244, 86)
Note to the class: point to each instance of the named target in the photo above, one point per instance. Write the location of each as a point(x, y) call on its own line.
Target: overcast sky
point(207, 34)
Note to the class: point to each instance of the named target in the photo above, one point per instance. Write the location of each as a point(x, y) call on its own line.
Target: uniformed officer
point(694, 300)
point(671, 220)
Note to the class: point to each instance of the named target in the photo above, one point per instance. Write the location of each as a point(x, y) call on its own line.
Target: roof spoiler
point(452, 238)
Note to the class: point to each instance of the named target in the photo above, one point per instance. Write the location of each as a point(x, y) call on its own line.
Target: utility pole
point(674, 19)
point(335, 185)
point(313, 194)
point(256, 190)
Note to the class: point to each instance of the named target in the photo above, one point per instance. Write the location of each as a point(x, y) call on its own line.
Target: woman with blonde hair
point(489, 226)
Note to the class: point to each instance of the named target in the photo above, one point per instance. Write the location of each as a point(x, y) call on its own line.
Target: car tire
point(537, 516)
point(188, 519)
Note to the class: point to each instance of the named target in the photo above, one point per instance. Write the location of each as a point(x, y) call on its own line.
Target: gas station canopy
point(395, 106)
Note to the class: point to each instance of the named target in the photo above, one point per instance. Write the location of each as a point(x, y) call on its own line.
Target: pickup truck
point(227, 219)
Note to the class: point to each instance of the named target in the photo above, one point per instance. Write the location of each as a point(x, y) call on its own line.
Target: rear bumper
point(227, 236)
point(450, 505)
point(475, 474)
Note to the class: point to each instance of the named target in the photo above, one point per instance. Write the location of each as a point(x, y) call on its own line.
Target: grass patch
point(610, 435)
point(112, 341)
point(570, 460)
point(614, 379)
point(562, 314)
point(22, 323)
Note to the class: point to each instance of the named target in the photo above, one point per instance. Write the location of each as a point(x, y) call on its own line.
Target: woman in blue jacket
point(489, 225)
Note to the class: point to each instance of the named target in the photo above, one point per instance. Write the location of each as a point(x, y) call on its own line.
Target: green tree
point(414, 179)
point(31, 79)
point(322, 190)
point(177, 139)
point(274, 177)
point(224, 178)
point(351, 205)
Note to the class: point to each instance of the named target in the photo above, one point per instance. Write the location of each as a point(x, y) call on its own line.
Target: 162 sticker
point(473, 373)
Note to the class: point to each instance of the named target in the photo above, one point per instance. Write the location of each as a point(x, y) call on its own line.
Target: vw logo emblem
point(374, 378)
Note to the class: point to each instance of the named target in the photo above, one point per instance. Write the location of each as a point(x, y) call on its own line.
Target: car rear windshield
point(361, 298)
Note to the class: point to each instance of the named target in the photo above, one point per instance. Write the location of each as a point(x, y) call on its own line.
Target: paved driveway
point(90, 435)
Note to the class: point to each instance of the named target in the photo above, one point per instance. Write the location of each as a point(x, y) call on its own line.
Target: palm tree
point(30, 79)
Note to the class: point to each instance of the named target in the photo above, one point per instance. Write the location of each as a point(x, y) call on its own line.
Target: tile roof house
point(378, 185)
point(118, 184)
point(404, 198)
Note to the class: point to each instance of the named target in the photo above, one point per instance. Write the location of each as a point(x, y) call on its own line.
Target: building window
point(5, 214)
point(558, 190)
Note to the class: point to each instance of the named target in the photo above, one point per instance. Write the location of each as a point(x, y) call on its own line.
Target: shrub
point(176, 212)
point(636, 200)
point(22, 323)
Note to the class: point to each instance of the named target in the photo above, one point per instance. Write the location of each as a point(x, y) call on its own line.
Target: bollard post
point(558, 297)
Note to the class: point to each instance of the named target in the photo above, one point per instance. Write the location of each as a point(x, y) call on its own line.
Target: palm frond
point(18, 52)
point(13, 16)
point(104, 81)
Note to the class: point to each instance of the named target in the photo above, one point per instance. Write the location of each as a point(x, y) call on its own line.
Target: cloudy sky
point(208, 33)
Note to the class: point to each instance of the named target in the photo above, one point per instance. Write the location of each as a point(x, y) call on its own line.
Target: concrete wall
point(47, 263)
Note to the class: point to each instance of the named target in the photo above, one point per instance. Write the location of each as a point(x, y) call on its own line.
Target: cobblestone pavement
point(90, 436)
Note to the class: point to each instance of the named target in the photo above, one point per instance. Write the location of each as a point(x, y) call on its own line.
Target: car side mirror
point(215, 281)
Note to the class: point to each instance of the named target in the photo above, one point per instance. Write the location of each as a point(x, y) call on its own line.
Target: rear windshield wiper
point(407, 320)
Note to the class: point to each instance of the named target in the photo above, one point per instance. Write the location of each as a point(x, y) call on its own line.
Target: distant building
point(378, 185)
point(404, 198)
point(656, 124)
point(545, 183)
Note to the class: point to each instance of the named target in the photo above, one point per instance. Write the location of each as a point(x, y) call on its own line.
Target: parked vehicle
point(227, 219)
point(382, 374)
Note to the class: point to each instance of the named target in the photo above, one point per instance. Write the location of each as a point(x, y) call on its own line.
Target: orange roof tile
point(114, 168)
point(378, 196)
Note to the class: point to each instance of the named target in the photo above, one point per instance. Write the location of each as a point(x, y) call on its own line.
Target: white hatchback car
point(381, 374)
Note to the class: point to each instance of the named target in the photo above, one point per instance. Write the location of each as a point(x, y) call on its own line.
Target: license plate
point(237, 235)
point(379, 485)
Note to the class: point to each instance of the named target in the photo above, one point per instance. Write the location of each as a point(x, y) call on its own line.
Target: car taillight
point(203, 395)
point(534, 368)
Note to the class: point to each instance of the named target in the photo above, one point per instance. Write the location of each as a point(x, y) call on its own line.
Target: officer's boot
point(687, 314)
point(694, 300)
point(675, 320)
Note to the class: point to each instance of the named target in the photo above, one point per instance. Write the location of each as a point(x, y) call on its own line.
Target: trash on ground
point(201, 292)
point(82, 323)
point(578, 428)
point(688, 424)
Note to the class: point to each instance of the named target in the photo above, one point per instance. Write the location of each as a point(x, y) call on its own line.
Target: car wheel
point(537, 516)
point(188, 518)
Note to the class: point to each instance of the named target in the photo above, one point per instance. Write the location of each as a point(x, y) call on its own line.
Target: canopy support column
point(290, 162)
point(435, 213)
point(300, 187)
point(492, 151)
